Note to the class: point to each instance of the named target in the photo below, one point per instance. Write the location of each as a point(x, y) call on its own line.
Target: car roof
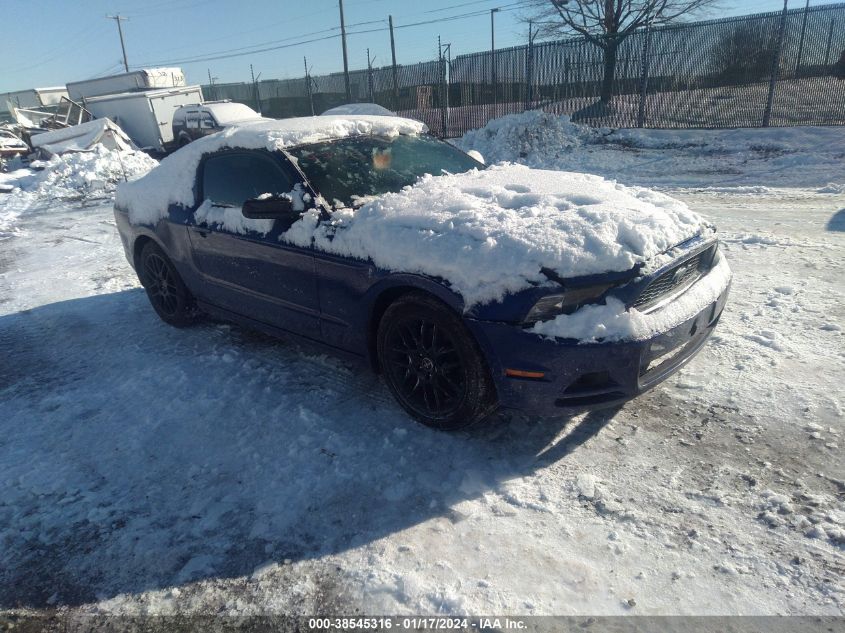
point(227, 113)
point(172, 182)
point(284, 133)
point(359, 108)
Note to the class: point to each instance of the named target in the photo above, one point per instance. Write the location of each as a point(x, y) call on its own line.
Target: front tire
point(432, 364)
point(166, 291)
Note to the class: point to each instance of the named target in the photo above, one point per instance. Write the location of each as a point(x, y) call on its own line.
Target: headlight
point(551, 306)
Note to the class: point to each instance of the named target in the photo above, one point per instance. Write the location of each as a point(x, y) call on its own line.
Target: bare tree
point(743, 54)
point(606, 23)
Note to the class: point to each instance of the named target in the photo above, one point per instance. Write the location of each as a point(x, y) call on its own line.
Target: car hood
point(493, 232)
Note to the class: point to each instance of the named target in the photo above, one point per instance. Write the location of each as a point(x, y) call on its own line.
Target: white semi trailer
point(146, 116)
point(137, 80)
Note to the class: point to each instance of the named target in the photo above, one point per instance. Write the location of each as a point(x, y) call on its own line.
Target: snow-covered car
point(191, 122)
point(357, 109)
point(468, 288)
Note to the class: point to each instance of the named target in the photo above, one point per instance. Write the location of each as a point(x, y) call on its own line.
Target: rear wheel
point(166, 291)
point(432, 365)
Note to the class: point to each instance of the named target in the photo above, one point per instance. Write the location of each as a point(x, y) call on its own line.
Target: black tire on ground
point(166, 291)
point(432, 364)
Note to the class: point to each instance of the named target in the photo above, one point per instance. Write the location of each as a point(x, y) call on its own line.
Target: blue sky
point(52, 42)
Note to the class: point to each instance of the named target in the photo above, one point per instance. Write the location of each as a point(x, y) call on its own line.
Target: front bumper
point(580, 377)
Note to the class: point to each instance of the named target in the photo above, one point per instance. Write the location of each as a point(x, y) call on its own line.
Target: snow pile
point(832, 188)
point(490, 232)
point(611, 321)
point(534, 138)
point(83, 174)
point(756, 157)
point(148, 199)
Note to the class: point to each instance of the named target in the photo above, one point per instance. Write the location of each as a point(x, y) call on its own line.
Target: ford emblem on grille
point(680, 271)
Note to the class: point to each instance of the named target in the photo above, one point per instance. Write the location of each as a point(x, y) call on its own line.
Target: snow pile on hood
point(490, 232)
point(82, 174)
point(533, 138)
point(147, 200)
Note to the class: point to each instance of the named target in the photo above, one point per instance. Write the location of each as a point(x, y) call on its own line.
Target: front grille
point(674, 279)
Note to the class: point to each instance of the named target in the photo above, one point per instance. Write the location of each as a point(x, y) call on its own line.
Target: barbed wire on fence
point(776, 68)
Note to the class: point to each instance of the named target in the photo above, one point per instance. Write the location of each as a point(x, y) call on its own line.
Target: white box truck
point(146, 116)
point(137, 80)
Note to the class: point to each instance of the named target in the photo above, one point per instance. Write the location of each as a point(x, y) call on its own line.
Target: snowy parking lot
point(145, 469)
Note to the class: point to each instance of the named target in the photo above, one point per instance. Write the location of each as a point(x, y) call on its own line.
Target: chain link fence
point(770, 69)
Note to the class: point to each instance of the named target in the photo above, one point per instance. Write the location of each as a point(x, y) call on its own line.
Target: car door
point(246, 268)
point(207, 124)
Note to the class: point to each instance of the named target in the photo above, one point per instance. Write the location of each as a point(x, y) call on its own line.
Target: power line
point(240, 52)
point(256, 48)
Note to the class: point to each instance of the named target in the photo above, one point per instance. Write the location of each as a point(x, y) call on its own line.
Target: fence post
point(801, 39)
point(644, 75)
point(444, 105)
point(767, 114)
point(529, 68)
point(829, 44)
point(393, 59)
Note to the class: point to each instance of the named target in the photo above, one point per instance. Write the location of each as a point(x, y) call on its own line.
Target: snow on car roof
point(359, 108)
point(172, 182)
point(229, 113)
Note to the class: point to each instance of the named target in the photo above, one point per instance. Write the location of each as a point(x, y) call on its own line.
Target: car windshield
point(345, 170)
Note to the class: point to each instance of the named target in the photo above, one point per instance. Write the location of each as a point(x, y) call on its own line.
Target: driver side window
point(229, 180)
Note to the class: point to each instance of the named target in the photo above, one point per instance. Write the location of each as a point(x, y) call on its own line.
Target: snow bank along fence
point(771, 69)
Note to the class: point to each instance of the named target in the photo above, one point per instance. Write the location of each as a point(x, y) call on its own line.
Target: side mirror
point(268, 208)
point(477, 156)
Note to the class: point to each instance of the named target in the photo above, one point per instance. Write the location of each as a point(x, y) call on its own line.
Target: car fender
point(389, 288)
point(170, 237)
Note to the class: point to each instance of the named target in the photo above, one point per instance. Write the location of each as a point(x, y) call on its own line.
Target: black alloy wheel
point(167, 293)
point(432, 364)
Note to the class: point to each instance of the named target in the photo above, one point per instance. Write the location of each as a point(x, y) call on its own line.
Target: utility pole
point(370, 77)
point(444, 86)
point(308, 85)
point(493, 52)
point(345, 56)
point(119, 18)
point(255, 92)
point(211, 84)
point(393, 55)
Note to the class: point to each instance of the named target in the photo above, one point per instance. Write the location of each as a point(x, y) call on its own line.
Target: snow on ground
point(152, 470)
point(82, 176)
point(735, 161)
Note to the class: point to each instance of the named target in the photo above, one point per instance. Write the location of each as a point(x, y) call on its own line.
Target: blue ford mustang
point(447, 365)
